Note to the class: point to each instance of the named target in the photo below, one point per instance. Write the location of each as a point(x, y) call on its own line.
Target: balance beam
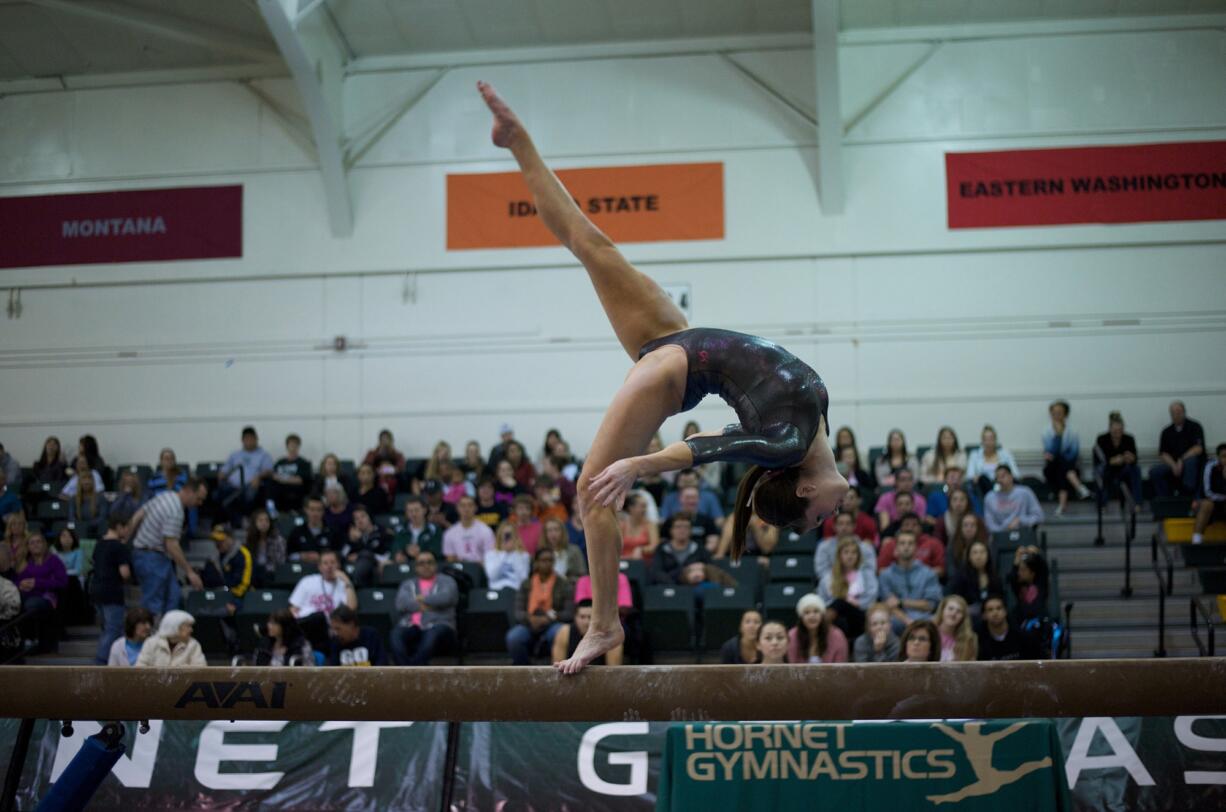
point(1158, 687)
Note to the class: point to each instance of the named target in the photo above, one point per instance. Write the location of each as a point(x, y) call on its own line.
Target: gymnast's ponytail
point(772, 495)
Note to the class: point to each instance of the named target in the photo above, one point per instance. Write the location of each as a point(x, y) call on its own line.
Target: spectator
point(268, 548)
point(971, 528)
point(671, 559)
point(866, 525)
point(50, 469)
point(1181, 449)
point(454, 483)
point(904, 504)
point(137, 626)
point(40, 581)
point(878, 644)
point(1061, 448)
point(525, 521)
point(824, 556)
point(439, 457)
point(473, 465)
point(975, 578)
point(81, 470)
point(552, 438)
point(338, 513)
point(742, 648)
point(1029, 581)
point(895, 459)
point(919, 643)
point(981, 464)
point(330, 475)
point(948, 522)
point(773, 643)
point(569, 560)
point(291, 476)
point(112, 566)
point(999, 639)
point(68, 550)
point(525, 472)
point(387, 462)
point(368, 547)
point(156, 549)
point(369, 494)
point(548, 495)
point(74, 604)
point(1115, 461)
point(173, 645)
point(565, 462)
point(506, 486)
point(283, 643)
point(168, 476)
point(416, 534)
point(315, 597)
point(351, 644)
point(849, 587)
point(958, 640)
point(438, 511)
point(704, 529)
point(887, 508)
point(506, 435)
point(761, 539)
point(508, 565)
point(955, 481)
point(928, 551)
point(129, 498)
point(564, 487)
point(542, 605)
point(847, 457)
point(87, 447)
point(567, 639)
point(426, 603)
point(640, 537)
point(654, 484)
point(16, 533)
point(232, 572)
point(11, 469)
point(241, 481)
point(490, 511)
point(944, 455)
point(815, 639)
point(468, 539)
point(625, 595)
point(10, 500)
point(312, 537)
point(1010, 506)
point(707, 504)
point(1213, 507)
point(908, 588)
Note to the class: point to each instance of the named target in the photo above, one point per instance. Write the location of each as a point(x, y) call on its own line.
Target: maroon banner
point(145, 225)
point(1126, 184)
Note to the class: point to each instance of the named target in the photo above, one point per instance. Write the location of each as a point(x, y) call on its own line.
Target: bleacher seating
point(721, 614)
point(258, 604)
point(488, 619)
point(668, 613)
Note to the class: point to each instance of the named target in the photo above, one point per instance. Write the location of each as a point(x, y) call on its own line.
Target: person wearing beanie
point(173, 645)
point(814, 639)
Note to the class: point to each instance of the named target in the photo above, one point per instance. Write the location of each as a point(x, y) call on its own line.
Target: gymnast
point(780, 401)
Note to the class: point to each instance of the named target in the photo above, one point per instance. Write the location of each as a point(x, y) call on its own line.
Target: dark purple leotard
point(778, 398)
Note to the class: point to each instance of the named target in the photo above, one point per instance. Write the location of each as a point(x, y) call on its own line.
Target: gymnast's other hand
point(610, 486)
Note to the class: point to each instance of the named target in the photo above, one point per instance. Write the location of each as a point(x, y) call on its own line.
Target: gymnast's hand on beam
point(610, 486)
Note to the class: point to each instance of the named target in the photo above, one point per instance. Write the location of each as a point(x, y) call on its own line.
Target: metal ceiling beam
point(318, 67)
point(191, 32)
point(829, 110)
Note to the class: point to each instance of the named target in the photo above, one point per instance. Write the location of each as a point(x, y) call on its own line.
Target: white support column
point(829, 110)
point(317, 65)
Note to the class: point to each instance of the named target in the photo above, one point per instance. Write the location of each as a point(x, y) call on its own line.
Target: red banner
point(629, 203)
point(145, 225)
point(1126, 184)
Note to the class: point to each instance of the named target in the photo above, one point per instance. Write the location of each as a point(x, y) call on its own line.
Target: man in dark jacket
point(669, 564)
point(426, 603)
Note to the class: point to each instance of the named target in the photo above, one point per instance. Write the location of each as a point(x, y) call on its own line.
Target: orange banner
point(629, 203)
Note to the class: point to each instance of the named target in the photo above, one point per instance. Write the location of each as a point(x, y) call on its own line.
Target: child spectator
point(815, 639)
point(878, 644)
point(173, 645)
point(112, 568)
point(542, 605)
point(919, 643)
point(137, 626)
point(508, 564)
point(353, 645)
point(427, 606)
point(958, 640)
point(742, 648)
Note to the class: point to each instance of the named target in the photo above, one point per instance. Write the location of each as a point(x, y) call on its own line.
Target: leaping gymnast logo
point(978, 747)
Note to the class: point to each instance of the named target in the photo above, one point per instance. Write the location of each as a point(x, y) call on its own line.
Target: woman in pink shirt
point(814, 639)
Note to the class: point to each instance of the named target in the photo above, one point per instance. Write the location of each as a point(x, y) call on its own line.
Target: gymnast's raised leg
point(639, 312)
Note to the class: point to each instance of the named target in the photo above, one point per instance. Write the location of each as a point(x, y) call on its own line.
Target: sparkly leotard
point(778, 398)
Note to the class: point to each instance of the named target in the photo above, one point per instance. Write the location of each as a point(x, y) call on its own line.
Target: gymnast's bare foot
point(506, 126)
point(594, 644)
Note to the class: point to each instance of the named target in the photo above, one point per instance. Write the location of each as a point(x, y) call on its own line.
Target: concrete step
point(1091, 614)
point(1108, 583)
point(1130, 642)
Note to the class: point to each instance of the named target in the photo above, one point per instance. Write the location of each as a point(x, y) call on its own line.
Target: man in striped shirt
point(156, 548)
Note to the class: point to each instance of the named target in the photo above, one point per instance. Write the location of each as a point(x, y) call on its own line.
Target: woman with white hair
point(815, 639)
point(173, 644)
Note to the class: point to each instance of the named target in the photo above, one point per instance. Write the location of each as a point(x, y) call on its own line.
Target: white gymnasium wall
point(911, 325)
